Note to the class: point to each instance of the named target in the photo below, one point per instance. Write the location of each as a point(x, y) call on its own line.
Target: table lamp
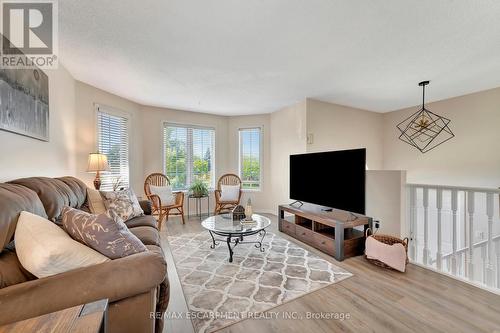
point(97, 163)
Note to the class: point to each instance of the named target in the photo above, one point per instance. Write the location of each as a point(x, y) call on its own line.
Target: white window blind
point(250, 165)
point(189, 155)
point(113, 142)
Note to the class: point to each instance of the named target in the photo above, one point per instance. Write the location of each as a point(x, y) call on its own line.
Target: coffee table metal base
point(233, 239)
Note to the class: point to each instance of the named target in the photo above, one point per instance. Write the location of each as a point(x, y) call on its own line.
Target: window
point(250, 158)
point(189, 155)
point(113, 142)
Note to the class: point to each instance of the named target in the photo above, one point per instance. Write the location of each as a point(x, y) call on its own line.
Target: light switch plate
point(310, 139)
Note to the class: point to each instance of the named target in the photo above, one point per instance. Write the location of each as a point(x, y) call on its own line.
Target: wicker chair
point(224, 206)
point(159, 179)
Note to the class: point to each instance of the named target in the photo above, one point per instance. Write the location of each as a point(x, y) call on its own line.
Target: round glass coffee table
point(234, 232)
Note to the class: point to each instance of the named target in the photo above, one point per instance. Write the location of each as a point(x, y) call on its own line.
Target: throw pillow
point(101, 233)
point(122, 205)
point(95, 201)
point(44, 249)
point(229, 192)
point(167, 198)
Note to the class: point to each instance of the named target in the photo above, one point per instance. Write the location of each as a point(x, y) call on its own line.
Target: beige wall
point(21, 156)
point(287, 136)
point(472, 158)
point(86, 136)
point(337, 127)
point(386, 199)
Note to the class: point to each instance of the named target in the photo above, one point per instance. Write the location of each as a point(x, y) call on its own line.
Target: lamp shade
point(98, 162)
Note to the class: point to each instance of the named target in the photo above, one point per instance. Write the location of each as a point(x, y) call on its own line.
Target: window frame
point(117, 113)
point(166, 123)
point(261, 155)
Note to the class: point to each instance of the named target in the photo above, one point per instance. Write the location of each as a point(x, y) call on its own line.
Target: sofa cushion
point(11, 270)
point(142, 221)
point(55, 193)
point(13, 200)
point(155, 249)
point(146, 206)
point(147, 235)
point(78, 187)
point(44, 249)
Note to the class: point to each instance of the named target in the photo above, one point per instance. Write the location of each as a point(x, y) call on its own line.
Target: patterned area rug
point(220, 293)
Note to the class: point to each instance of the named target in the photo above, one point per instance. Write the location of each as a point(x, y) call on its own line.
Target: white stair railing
point(456, 230)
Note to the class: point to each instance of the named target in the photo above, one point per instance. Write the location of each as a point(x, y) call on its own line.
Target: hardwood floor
point(376, 300)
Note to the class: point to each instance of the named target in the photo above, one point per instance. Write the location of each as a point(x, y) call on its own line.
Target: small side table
point(198, 203)
point(86, 318)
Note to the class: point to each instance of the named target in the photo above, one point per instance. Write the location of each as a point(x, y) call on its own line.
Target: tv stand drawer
point(304, 234)
point(325, 244)
point(288, 227)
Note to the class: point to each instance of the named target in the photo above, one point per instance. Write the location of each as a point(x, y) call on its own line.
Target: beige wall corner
point(288, 136)
point(337, 127)
point(386, 200)
point(86, 134)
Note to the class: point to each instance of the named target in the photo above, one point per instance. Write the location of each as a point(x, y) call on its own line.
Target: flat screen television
point(335, 179)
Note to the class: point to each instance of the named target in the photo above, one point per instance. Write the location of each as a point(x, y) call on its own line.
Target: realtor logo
point(29, 34)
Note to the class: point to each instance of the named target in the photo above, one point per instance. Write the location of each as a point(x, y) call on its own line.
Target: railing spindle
point(454, 207)
point(439, 206)
point(484, 260)
point(497, 247)
point(413, 223)
point(426, 226)
point(470, 256)
point(489, 256)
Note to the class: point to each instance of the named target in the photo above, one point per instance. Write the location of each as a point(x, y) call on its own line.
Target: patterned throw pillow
point(122, 205)
point(101, 233)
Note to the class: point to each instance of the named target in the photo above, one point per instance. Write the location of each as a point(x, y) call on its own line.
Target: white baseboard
point(266, 211)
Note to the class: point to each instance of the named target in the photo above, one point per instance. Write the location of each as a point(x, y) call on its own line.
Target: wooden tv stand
point(332, 232)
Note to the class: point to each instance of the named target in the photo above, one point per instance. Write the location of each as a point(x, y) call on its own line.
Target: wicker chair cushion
point(165, 193)
point(230, 193)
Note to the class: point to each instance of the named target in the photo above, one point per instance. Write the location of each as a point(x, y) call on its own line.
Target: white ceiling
point(233, 57)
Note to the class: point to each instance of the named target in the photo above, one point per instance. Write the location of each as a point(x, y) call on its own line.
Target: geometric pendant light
point(425, 130)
